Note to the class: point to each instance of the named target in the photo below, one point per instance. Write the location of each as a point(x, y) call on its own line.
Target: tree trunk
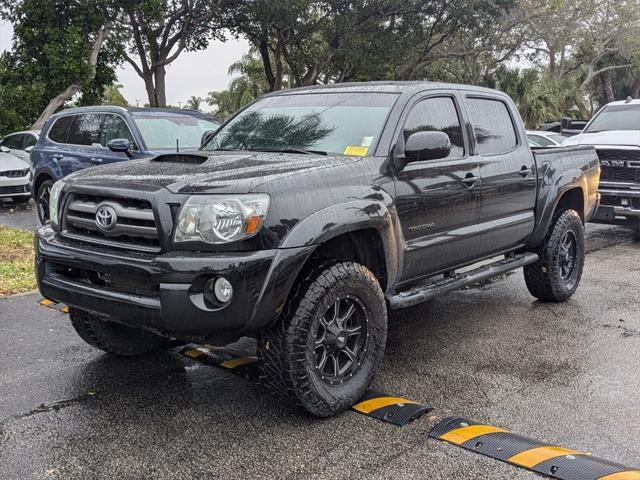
point(67, 94)
point(160, 84)
point(607, 87)
point(263, 47)
point(635, 89)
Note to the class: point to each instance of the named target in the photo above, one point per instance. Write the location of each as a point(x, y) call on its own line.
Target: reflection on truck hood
point(613, 137)
point(215, 172)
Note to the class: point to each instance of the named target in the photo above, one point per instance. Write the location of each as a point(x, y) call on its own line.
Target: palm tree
point(193, 103)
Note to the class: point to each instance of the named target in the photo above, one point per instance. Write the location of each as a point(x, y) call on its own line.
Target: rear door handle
point(95, 160)
point(57, 156)
point(470, 180)
point(525, 172)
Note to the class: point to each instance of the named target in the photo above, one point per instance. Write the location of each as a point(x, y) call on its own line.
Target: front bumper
point(164, 292)
point(14, 187)
point(619, 204)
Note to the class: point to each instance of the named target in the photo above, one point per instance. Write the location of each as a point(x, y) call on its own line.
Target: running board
point(431, 289)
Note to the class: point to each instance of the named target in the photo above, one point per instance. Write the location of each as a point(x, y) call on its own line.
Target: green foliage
point(112, 95)
point(193, 103)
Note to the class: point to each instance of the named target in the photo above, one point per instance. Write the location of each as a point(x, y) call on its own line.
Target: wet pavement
point(567, 374)
point(22, 216)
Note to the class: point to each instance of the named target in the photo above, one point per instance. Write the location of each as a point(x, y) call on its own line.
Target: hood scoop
point(189, 158)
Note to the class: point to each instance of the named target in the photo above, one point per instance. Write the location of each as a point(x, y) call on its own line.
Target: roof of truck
point(626, 102)
point(387, 87)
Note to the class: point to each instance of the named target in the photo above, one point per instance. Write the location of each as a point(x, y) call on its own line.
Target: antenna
point(177, 145)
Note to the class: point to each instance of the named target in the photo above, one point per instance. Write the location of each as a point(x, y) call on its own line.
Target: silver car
point(21, 143)
point(15, 177)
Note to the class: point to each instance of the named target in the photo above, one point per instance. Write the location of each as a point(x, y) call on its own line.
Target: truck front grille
point(14, 189)
point(619, 165)
point(132, 224)
point(615, 201)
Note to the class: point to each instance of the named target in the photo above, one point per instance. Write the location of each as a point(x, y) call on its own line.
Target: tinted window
point(13, 142)
point(543, 141)
point(492, 126)
point(85, 129)
point(437, 115)
point(30, 140)
point(113, 127)
point(60, 129)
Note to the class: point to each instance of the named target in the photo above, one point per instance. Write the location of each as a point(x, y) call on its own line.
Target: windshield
point(168, 130)
point(616, 117)
point(324, 123)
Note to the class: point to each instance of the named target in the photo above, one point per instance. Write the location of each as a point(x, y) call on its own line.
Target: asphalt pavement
point(566, 374)
point(22, 216)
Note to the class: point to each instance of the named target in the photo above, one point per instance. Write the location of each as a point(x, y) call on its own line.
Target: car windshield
point(321, 123)
point(616, 117)
point(169, 130)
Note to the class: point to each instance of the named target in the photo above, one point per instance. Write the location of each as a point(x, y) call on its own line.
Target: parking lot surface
point(562, 373)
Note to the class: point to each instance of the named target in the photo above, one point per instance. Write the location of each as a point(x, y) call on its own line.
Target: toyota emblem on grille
point(106, 218)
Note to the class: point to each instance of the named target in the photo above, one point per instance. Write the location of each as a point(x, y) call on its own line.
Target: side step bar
point(432, 289)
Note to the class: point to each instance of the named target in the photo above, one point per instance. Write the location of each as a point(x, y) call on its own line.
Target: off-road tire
point(285, 350)
point(112, 337)
point(543, 278)
point(44, 189)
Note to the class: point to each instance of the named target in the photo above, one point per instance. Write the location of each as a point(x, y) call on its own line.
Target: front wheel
point(112, 337)
point(323, 352)
point(557, 273)
point(42, 200)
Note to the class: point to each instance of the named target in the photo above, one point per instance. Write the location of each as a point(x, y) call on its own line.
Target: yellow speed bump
point(551, 460)
point(396, 410)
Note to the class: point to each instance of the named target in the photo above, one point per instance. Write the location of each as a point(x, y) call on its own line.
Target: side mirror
point(28, 149)
point(4, 149)
point(206, 136)
point(120, 145)
point(427, 146)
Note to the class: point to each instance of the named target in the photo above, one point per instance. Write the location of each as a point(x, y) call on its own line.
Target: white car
point(15, 177)
point(546, 139)
point(615, 132)
point(21, 143)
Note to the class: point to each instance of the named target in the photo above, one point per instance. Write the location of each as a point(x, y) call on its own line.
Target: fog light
point(223, 290)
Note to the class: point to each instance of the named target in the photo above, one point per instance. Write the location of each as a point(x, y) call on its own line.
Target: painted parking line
point(551, 460)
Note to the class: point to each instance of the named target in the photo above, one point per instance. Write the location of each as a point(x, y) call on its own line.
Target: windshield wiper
point(290, 150)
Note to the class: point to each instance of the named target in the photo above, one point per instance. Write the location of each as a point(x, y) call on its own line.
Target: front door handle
point(470, 180)
point(95, 160)
point(525, 172)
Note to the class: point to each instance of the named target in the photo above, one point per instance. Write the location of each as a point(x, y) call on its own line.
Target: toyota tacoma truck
point(306, 217)
point(615, 133)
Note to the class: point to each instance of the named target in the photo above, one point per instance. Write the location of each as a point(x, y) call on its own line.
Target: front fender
point(336, 220)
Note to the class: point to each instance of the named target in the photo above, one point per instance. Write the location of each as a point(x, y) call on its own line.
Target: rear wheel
point(42, 200)
point(114, 338)
point(556, 275)
point(324, 351)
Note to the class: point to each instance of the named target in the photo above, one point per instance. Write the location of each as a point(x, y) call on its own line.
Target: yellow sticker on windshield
point(357, 151)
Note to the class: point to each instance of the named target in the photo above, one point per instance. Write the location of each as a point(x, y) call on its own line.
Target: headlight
point(221, 219)
point(54, 201)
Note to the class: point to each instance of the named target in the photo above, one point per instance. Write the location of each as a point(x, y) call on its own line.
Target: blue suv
point(91, 136)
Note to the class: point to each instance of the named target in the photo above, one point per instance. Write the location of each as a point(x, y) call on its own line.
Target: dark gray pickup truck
point(305, 217)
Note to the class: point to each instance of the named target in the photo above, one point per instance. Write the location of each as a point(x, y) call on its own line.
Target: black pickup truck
point(305, 217)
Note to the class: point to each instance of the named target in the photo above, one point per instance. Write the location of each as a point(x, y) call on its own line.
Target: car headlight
point(221, 219)
point(54, 202)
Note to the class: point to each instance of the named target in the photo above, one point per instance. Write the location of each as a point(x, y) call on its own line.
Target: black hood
point(221, 172)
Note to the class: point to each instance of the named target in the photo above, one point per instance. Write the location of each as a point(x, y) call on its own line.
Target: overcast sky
point(193, 73)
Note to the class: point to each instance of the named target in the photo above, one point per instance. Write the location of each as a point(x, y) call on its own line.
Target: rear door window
point(85, 129)
point(60, 129)
point(29, 140)
point(492, 126)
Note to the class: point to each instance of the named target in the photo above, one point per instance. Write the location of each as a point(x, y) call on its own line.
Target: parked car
point(21, 143)
point(15, 177)
point(546, 139)
point(84, 137)
point(567, 127)
point(304, 217)
point(615, 133)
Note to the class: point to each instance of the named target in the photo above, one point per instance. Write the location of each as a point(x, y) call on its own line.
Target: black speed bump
point(396, 410)
point(60, 307)
point(551, 460)
point(243, 365)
